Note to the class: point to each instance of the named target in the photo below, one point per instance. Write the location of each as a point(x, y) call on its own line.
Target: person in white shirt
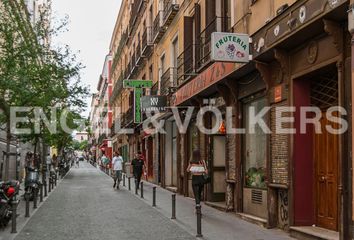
point(49, 162)
point(117, 165)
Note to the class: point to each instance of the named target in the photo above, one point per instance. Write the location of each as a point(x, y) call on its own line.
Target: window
point(162, 63)
point(255, 152)
point(174, 54)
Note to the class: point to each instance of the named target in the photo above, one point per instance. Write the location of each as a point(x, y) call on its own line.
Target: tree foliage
point(34, 73)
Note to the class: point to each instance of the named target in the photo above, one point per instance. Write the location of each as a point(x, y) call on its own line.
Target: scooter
point(8, 192)
point(31, 183)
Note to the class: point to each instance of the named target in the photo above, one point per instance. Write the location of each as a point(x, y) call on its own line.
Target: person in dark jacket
point(138, 167)
point(197, 168)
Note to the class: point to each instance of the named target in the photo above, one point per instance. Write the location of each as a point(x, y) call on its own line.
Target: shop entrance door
point(326, 154)
point(218, 185)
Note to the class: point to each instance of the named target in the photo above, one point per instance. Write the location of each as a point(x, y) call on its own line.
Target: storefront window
point(255, 149)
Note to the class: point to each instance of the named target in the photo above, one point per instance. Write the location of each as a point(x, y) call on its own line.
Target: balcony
point(170, 10)
point(128, 117)
point(185, 65)
point(147, 42)
point(137, 8)
point(123, 40)
point(139, 57)
point(117, 88)
point(168, 81)
point(159, 30)
point(203, 47)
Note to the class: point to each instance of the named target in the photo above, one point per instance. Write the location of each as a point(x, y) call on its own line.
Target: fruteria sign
point(230, 47)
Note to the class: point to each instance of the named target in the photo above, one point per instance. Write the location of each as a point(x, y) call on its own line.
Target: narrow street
point(84, 206)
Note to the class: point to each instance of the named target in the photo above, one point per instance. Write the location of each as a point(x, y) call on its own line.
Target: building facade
point(301, 57)
point(101, 113)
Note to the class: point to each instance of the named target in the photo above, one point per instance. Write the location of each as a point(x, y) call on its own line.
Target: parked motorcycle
point(31, 183)
point(8, 192)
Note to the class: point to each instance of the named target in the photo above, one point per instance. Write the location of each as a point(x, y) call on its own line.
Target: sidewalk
point(215, 224)
point(5, 234)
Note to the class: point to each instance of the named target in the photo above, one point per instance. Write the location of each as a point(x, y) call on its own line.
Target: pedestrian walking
point(49, 162)
point(77, 162)
point(117, 164)
point(138, 167)
point(198, 169)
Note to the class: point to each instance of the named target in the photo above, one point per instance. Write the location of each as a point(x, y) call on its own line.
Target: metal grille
point(257, 196)
point(324, 89)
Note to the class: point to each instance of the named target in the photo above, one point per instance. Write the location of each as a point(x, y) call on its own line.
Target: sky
point(89, 34)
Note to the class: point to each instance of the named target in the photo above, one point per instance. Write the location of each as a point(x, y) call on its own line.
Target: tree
point(35, 74)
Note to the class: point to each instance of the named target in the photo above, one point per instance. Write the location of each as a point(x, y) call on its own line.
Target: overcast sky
point(90, 28)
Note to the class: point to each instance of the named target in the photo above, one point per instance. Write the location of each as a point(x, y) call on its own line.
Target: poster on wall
point(230, 47)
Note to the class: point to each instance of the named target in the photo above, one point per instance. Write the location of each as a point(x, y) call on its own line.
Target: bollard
point(154, 196)
point(199, 220)
point(124, 180)
point(55, 179)
point(173, 206)
point(129, 185)
point(35, 197)
point(142, 190)
point(49, 184)
point(27, 215)
point(45, 188)
point(136, 187)
point(41, 192)
point(14, 204)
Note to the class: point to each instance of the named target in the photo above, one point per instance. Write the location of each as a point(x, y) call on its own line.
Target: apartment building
point(101, 113)
point(301, 56)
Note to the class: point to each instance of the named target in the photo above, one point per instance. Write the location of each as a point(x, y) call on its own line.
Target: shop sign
point(153, 103)
point(230, 47)
point(138, 86)
point(207, 78)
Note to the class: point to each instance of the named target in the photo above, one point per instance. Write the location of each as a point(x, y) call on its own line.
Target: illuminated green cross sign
point(138, 86)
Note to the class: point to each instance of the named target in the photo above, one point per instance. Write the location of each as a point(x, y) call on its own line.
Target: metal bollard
point(49, 184)
point(27, 215)
point(142, 190)
point(129, 184)
point(55, 179)
point(14, 204)
point(35, 197)
point(41, 192)
point(124, 180)
point(173, 206)
point(136, 187)
point(154, 196)
point(199, 221)
point(45, 188)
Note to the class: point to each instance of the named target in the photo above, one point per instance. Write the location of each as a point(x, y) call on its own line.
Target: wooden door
point(218, 169)
point(326, 155)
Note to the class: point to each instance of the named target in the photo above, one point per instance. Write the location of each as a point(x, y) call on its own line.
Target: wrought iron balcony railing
point(203, 46)
point(147, 41)
point(185, 65)
point(123, 40)
point(168, 81)
point(117, 88)
point(159, 30)
point(170, 9)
